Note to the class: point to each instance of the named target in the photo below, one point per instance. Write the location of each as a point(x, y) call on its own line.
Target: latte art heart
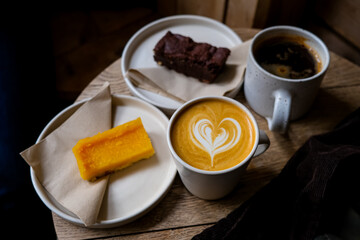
point(213, 135)
point(203, 135)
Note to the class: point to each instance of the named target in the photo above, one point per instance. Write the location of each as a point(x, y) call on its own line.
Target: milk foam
point(201, 136)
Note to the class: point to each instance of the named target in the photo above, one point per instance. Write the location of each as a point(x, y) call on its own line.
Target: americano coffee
point(288, 57)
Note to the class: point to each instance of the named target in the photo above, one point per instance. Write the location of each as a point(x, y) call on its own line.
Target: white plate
point(138, 52)
point(133, 191)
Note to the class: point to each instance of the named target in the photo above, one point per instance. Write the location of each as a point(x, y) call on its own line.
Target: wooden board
point(213, 8)
point(343, 16)
point(181, 215)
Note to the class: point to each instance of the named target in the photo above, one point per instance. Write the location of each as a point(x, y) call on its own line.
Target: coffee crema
point(288, 57)
point(213, 135)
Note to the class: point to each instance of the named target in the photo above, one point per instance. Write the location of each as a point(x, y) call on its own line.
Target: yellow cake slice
point(112, 150)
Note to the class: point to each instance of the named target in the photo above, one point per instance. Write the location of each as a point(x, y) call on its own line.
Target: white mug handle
point(281, 114)
point(263, 144)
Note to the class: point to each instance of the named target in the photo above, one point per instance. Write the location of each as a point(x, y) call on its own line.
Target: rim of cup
point(199, 99)
point(300, 32)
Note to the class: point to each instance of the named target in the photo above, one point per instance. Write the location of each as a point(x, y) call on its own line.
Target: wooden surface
point(180, 215)
point(213, 8)
point(342, 16)
point(241, 13)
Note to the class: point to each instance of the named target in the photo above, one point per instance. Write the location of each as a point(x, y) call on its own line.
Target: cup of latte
point(284, 71)
point(212, 140)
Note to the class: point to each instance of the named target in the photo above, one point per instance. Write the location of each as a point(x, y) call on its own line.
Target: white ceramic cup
point(211, 185)
point(279, 99)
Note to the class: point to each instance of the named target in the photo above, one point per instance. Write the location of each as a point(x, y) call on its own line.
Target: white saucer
point(133, 191)
point(138, 52)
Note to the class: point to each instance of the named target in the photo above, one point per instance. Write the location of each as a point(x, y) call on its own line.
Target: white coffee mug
point(211, 185)
point(279, 99)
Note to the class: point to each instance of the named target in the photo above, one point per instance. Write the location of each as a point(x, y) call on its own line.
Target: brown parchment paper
point(186, 88)
point(55, 165)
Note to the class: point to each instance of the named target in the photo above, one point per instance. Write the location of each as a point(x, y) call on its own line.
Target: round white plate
point(138, 52)
point(133, 191)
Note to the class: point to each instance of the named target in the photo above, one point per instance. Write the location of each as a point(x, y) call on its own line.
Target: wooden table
point(180, 215)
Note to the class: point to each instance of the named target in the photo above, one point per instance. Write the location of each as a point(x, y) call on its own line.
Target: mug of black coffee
point(284, 72)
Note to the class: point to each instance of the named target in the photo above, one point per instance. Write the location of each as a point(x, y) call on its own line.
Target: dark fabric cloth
point(309, 198)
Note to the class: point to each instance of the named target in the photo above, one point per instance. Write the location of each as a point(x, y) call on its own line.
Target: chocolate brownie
point(199, 60)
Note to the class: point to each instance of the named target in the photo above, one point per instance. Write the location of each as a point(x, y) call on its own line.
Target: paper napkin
point(165, 81)
point(55, 165)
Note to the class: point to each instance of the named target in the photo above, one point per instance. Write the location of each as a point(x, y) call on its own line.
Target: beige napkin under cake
point(55, 165)
point(179, 87)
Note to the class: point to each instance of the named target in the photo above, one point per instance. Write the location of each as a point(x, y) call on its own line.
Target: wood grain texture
point(213, 8)
point(343, 16)
point(180, 215)
point(87, 42)
point(241, 13)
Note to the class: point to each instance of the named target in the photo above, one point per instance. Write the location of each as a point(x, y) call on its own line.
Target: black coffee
point(287, 57)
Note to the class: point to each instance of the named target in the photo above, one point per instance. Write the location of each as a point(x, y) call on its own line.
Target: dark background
point(48, 54)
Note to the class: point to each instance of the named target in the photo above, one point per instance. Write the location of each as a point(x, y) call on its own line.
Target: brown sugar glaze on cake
point(199, 60)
